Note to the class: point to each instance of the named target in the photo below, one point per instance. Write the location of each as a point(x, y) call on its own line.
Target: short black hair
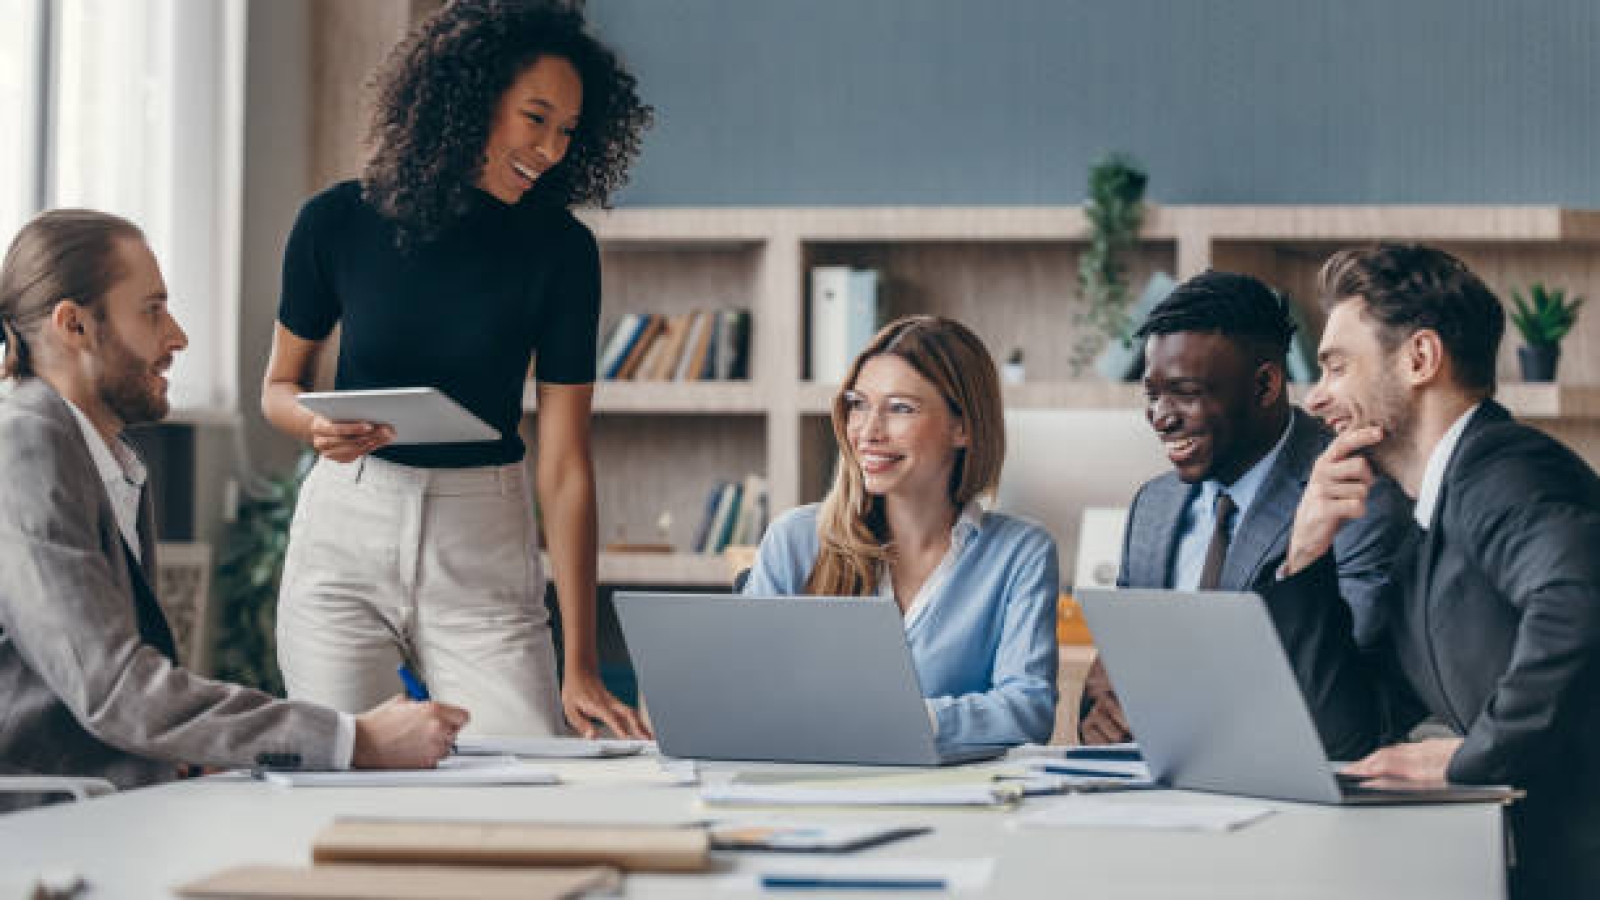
point(1237, 306)
point(1408, 287)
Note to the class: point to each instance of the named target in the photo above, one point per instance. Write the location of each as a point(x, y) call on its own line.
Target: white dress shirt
point(1433, 474)
point(124, 477)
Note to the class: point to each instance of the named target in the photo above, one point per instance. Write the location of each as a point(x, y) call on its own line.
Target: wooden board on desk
point(634, 848)
point(348, 882)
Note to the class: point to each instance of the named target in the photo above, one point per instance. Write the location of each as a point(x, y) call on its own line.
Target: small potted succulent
point(1544, 317)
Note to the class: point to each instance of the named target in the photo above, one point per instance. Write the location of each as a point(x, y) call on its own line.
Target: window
point(21, 124)
point(142, 116)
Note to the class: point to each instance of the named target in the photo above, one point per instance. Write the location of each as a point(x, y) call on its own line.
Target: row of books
point(736, 513)
point(704, 345)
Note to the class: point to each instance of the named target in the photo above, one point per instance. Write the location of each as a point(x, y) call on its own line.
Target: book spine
point(635, 359)
point(735, 495)
point(861, 316)
point(830, 291)
point(739, 344)
point(694, 348)
point(708, 518)
point(617, 350)
point(709, 371)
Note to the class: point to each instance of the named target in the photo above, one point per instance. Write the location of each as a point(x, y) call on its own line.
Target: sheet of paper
point(1036, 784)
point(548, 747)
point(736, 793)
point(797, 836)
point(1123, 751)
point(1082, 812)
point(822, 874)
point(625, 770)
point(452, 771)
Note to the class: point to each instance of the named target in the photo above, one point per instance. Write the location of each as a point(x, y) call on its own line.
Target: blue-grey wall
point(832, 102)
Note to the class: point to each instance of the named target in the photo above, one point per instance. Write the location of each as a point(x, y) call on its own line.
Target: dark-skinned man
point(1216, 396)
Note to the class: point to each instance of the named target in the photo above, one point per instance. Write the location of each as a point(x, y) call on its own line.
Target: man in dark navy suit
point(1494, 600)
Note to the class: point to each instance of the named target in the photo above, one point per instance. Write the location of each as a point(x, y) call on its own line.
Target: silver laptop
point(781, 679)
point(1214, 705)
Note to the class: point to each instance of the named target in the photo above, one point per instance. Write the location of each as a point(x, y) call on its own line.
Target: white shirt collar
point(115, 462)
point(123, 474)
point(961, 534)
point(1438, 461)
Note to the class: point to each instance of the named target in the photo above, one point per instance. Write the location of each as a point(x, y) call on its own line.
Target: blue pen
point(1058, 769)
point(1106, 753)
point(850, 883)
point(415, 689)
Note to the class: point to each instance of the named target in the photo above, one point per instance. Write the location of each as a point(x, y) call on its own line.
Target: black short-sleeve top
point(465, 313)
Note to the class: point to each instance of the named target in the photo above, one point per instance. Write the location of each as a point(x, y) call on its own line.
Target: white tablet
point(421, 415)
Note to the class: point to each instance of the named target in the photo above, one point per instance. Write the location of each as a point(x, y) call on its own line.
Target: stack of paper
point(1132, 771)
point(454, 771)
point(821, 874)
point(548, 747)
point(1081, 812)
point(969, 788)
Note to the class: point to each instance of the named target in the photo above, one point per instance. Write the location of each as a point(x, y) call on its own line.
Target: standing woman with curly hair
point(453, 263)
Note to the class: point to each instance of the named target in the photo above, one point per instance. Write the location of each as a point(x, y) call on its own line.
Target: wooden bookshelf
point(1010, 273)
point(678, 398)
point(668, 570)
point(1526, 401)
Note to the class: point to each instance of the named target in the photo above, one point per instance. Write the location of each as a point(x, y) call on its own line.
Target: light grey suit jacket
point(81, 692)
point(1364, 549)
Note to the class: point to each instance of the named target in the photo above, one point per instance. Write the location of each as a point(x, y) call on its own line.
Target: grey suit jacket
point(1364, 550)
point(82, 690)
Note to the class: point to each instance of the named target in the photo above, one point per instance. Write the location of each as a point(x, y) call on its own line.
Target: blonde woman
point(921, 438)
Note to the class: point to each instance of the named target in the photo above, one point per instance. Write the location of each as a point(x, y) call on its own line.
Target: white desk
point(140, 843)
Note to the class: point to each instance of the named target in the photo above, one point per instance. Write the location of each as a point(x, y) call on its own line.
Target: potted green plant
point(247, 582)
point(1115, 210)
point(1544, 317)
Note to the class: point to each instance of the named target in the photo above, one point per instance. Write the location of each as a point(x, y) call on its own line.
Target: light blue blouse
point(985, 644)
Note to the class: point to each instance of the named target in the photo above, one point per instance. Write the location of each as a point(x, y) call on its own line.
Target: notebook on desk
point(781, 679)
point(1215, 706)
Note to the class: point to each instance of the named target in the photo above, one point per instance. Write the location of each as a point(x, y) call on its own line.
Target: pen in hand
point(415, 689)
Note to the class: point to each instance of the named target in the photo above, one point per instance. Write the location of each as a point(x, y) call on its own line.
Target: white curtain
point(20, 98)
point(147, 121)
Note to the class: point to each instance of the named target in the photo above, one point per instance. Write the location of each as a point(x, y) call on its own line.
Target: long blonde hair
point(853, 532)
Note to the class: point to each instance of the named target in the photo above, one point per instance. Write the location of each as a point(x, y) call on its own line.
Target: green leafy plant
point(1115, 209)
point(1545, 317)
point(247, 582)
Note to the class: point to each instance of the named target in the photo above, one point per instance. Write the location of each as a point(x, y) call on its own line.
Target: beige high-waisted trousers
point(436, 567)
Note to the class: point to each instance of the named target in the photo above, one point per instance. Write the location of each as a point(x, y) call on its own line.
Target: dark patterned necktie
point(1217, 550)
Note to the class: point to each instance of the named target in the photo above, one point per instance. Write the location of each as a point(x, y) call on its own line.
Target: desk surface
point(141, 843)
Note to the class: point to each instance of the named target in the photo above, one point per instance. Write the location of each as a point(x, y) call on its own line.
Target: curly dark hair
point(436, 99)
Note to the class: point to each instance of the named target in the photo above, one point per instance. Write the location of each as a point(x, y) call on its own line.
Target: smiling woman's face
point(533, 126)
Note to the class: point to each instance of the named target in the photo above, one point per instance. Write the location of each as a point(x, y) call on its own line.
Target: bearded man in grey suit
point(1241, 453)
point(88, 673)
